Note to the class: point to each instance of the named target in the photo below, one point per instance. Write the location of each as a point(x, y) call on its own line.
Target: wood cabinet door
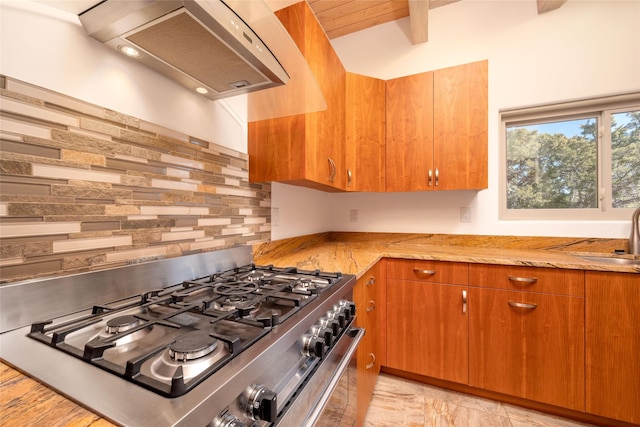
point(613, 345)
point(427, 329)
point(409, 132)
point(365, 133)
point(305, 149)
point(534, 353)
point(460, 139)
point(366, 297)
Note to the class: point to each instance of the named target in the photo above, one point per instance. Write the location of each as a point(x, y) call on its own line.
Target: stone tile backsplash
point(85, 188)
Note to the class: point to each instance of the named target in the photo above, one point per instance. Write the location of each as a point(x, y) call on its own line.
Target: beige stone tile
point(73, 245)
point(38, 229)
point(173, 185)
point(464, 400)
point(54, 98)
point(208, 243)
point(396, 400)
point(203, 222)
point(154, 252)
point(9, 125)
point(181, 161)
point(181, 235)
point(439, 413)
point(164, 210)
point(61, 172)
point(30, 110)
point(521, 417)
point(394, 406)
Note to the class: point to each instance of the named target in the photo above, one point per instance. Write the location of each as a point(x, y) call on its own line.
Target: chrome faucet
point(634, 239)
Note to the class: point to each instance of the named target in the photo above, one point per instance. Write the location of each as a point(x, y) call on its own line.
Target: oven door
point(329, 397)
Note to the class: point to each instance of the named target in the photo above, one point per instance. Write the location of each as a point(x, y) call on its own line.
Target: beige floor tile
point(399, 402)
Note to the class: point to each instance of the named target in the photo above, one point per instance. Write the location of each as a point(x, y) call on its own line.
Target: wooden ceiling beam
point(549, 5)
point(419, 20)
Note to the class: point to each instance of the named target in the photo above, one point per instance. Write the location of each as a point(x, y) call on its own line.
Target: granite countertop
point(24, 401)
point(355, 253)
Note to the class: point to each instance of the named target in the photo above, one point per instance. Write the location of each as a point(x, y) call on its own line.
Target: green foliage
point(625, 155)
point(559, 171)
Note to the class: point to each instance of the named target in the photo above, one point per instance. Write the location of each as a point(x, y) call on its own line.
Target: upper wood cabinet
point(613, 345)
point(436, 130)
point(365, 140)
point(305, 149)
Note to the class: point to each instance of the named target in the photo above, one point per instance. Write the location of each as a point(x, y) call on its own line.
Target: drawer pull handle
point(464, 302)
point(371, 306)
point(373, 361)
point(371, 281)
point(425, 272)
point(523, 280)
point(522, 305)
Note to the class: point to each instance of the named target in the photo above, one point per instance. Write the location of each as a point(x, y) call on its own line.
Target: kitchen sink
point(611, 260)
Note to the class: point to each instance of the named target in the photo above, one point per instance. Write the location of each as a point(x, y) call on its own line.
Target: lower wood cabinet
point(560, 337)
point(367, 296)
point(427, 321)
point(528, 345)
point(613, 345)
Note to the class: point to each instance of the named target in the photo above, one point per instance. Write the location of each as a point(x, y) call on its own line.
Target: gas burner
point(121, 324)
point(192, 345)
point(255, 276)
point(304, 285)
point(235, 288)
point(236, 302)
point(194, 353)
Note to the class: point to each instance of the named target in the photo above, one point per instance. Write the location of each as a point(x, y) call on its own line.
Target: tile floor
point(399, 402)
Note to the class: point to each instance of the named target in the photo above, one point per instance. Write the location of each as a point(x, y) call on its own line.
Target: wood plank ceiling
point(341, 17)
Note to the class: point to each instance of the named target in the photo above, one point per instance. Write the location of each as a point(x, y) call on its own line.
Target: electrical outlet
point(465, 214)
point(275, 217)
point(353, 215)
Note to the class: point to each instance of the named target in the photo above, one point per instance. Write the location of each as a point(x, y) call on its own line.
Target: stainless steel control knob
point(226, 420)
point(313, 346)
point(261, 403)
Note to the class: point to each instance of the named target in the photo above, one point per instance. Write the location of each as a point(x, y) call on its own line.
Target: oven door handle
point(344, 363)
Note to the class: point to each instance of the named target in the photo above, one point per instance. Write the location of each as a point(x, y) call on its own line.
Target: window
point(577, 160)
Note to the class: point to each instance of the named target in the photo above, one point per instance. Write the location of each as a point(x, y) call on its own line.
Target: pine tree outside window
point(575, 160)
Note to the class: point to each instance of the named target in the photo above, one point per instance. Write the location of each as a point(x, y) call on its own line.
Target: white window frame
point(602, 108)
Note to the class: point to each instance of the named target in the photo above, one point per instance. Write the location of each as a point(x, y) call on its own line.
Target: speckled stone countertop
point(355, 253)
point(24, 401)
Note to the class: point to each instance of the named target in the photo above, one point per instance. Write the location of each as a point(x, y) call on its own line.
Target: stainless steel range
point(204, 340)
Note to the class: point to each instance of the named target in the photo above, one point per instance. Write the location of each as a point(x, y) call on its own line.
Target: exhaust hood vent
point(202, 44)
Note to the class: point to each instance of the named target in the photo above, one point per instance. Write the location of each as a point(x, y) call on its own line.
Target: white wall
point(49, 48)
point(585, 48)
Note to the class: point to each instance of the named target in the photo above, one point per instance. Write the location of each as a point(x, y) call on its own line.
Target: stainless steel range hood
point(206, 45)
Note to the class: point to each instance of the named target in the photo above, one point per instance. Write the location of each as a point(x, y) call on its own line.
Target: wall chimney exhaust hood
point(217, 48)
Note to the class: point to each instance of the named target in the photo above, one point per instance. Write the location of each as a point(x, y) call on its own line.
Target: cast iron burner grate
point(143, 338)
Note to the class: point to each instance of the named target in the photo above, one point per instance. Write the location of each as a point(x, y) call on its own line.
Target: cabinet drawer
point(528, 344)
point(532, 279)
point(453, 273)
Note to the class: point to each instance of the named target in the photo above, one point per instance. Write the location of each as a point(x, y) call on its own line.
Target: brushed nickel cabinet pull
point(437, 177)
point(371, 281)
point(373, 361)
point(332, 174)
point(464, 302)
point(522, 305)
point(371, 306)
point(523, 280)
point(425, 272)
point(430, 178)
point(349, 177)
